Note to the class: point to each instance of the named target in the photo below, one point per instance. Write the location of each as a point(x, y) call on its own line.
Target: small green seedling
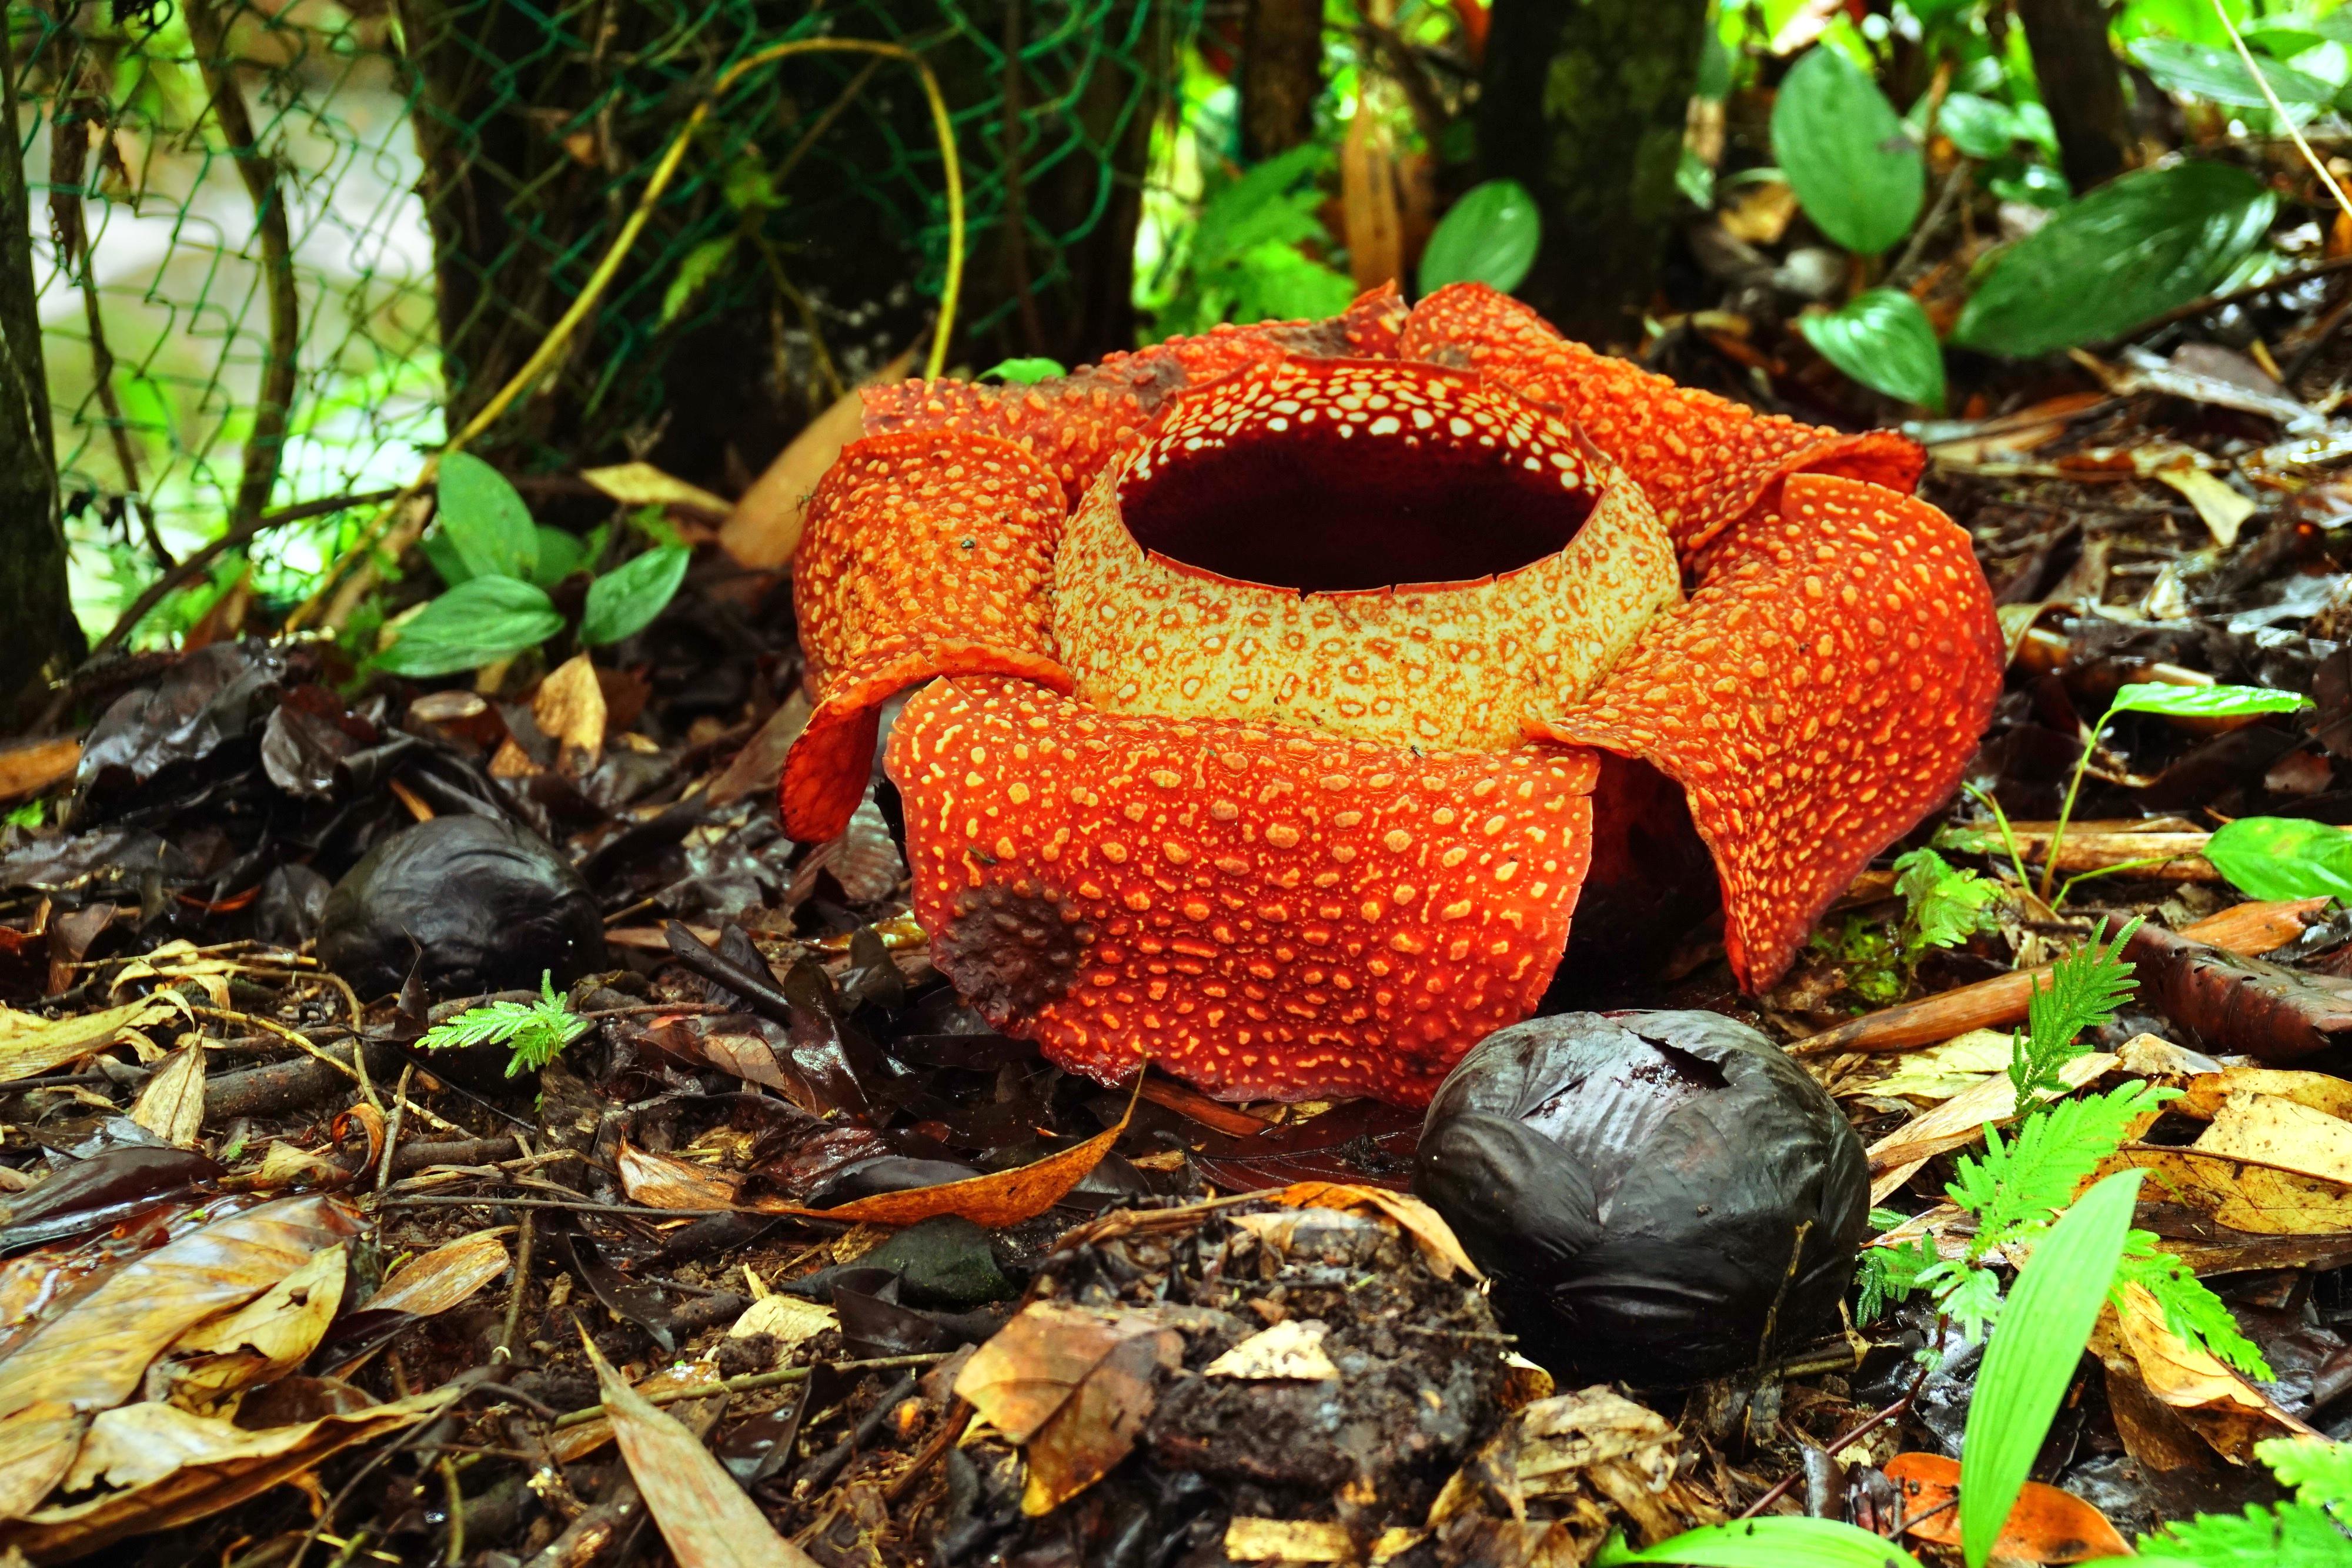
point(533, 1031)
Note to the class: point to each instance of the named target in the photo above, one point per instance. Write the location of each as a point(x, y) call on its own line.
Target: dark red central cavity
point(1310, 509)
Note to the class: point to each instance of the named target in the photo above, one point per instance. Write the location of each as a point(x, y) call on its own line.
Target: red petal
point(1073, 422)
point(1264, 911)
point(1705, 461)
point(927, 553)
point(1818, 695)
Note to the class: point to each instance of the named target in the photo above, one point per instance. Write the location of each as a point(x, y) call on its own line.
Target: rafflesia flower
point(1288, 670)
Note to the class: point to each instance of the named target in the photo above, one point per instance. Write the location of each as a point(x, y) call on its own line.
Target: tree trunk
point(37, 621)
point(1584, 105)
point(2080, 86)
point(1281, 75)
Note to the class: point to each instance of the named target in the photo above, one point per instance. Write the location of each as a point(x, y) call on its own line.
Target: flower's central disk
point(1337, 483)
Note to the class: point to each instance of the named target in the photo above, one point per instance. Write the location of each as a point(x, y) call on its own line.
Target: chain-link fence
point(292, 241)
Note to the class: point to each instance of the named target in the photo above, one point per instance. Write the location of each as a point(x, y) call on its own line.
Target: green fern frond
point(532, 1031)
point(2087, 986)
point(2028, 1179)
point(2190, 1310)
point(2320, 1472)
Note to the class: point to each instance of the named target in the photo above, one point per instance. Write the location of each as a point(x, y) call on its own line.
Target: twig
point(399, 1113)
point(583, 1206)
point(526, 1236)
point(1839, 1444)
point(2245, 56)
point(551, 348)
point(265, 445)
point(750, 1381)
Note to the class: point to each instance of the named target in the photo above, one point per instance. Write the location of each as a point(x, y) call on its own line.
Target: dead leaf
point(573, 1443)
point(2046, 1525)
point(2202, 1093)
point(1759, 212)
point(2221, 1406)
point(30, 1043)
point(217, 1465)
point(1415, 1219)
point(642, 484)
point(569, 709)
point(2223, 510)
point(1310, 1540)
point(1290, 1349)
point(285, 1166)
point(1960, 1121)
point(756, 768)
point(707, 1517)
point(2243, 1194)
point(1595, 1456)
point(91, 1356)
point(1938, 1073)
point(1072, 1387)
point(29, 766)
point(763, 528)
point(791, 1321)
point(2282, 1134)
point(269, 1337)
point(1368, 193)
point(435, 1281)
point(171, 1104)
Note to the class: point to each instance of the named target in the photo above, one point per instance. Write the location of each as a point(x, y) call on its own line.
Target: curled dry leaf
point(702, 1512)
point(573, 1443)
point(171, 1104)
point(1597, 1455)
point(1072, 1387)
point(2047, 1525)
point(569, 709)
point(2221, 1406)
point(91, 1356)
point(1959, 1122)
point(791, 1321)
point(1415, 1219)
point(175, 1468)
point(642, 484)
point(2237, 1003)
point(30, 1044)
point(267, 1338)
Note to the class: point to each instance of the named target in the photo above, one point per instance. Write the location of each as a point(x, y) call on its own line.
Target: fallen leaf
point(171, 1104)
point(2046, 1525)
point(642, 484)
point(2223, 510)
point(1960, 1121)
point(433, 1282)
point(763, 528)
point(755, 769)
point(283, 1164)
point(1290, 1349)
point(569, 709)
point(29, 766)
point(1940, 1072)
point(573, 1443)
point(215, 1465)
point(1596, 1455)
point(704, 1514)
point(1308, 1540)
point(2202, 1093)
point(1071, 1386)
point(2243, 1194)
point(2279, 1133)
point(31, 1044)
point(92, 1355)
point(2221, 1406)
point(1415, 1219)
point(791, 1321)
point(267, 1338)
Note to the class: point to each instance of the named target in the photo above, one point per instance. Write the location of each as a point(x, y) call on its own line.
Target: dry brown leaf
point(435, 1281)
point(642, 484)
point(2243, 1194)
point(1594, 1455)
point(283, 1164)
point(765, 528)
point(791, 1321)
point(1292, 1348)
point(2046, 1525)
point(262, 1341)
point(30, 1043)
point(216, 1465)
point(1308, 1540)
point(705, 1516)
point(2202, 1093)
point(1368, 193)
point(1759, 212)
point(2221, 1406)
point(171, 1104)
point(569, 709)
point(2223, 510)
point(2279, 1133)
point(1415, 1219)
point(573, 1443)
point(1072, 1387)
point(92, 1355)
point(756, 768)
point(29, 766)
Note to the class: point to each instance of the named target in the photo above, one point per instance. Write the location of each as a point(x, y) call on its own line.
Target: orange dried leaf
point(2047, 1525)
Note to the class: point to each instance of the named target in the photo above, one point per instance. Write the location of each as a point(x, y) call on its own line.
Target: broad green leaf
point(1024, 372)
point(700, 264)
point(2205, 702)
point(485, 519)
point(2220, 76)
point(1882, 340)
point(1980, 127)
point(1846, 154)
point(1488, 236)
point(443, 558)
point(2134, 247)
point(560, 555)
point(626, 599)
point(2032, 1356)
point(478, 623)
point(1774, 1542)
point(2283, 857)
point(1694, 179)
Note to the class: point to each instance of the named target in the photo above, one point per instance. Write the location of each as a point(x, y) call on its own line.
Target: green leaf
point(443, 558)
point(2134, 247)
point(2205, 702)
point(626, 599)
point(1024, 372)
point(1846, 154)
point(1882, 340)
point(2319, 1471)
point(2220, 76)
point(2086, 986)
point(2283, 857)
point(700, 264)
point(2015, 1187)
point(1980, 127)
point(479, 622)
point(1945, 904)
point(533, 1031)
point(560, 555)
point(1773, 1541)
point(1488, 236)
point(2032, 1356)
point(2294, 1535)
point(2190, 1310)
point(484, 519)
point(1694, 179)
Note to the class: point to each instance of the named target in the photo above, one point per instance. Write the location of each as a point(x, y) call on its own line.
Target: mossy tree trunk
point(36, 624)
point(1584, 104)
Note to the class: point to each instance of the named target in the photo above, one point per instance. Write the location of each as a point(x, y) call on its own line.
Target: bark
point(1281, 75)
point(1585, 105)
point(2080, 86)
point(36, 624)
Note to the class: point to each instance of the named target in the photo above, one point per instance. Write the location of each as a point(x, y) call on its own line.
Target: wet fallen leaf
point(1308, 1540)
point(267, 1338)
point(92, 1355)
point(435, 1281)
point(1072, 1387)
point(1415, 1219)
point(642, 484)
point(1290, 1349)
point(211, 1465)
point(701, 1511)
point(757, 766)
point(2046, 1525)
point(573, 1443)
point(2221, 1406)
point(171, 1104)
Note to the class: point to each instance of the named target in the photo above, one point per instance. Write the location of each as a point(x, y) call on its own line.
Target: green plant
point(1488, 236)
point(2185, 702)
point(1943, 907)
point(533, 1031)
point(1242, 261)
point(2283, 857)
point(1852, 165)
point(1882, 339)
point(498, 566)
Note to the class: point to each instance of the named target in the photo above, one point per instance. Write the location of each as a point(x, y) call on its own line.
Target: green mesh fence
point(427, 185)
